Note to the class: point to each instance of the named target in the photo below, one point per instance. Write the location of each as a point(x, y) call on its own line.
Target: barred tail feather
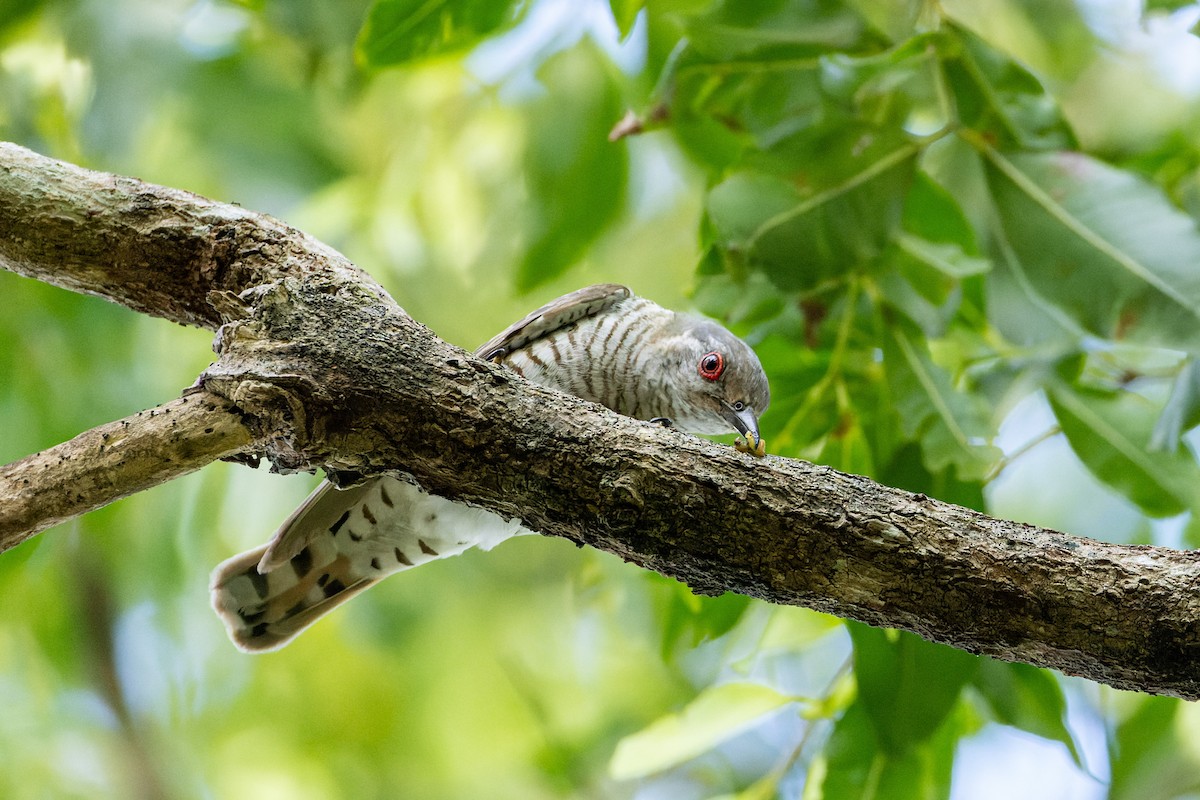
point(265, 611)
point(336, 545)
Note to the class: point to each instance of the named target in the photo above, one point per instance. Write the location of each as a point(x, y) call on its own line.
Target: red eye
point(711, 365)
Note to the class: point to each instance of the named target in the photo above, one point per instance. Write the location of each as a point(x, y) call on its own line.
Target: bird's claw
point(751, 444)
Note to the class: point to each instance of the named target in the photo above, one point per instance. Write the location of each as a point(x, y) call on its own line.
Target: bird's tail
point(336, 545)
point(265, 610)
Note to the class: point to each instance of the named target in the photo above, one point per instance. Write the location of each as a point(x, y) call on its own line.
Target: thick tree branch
point(329, 373)
point(116, 460)
point(159, 251)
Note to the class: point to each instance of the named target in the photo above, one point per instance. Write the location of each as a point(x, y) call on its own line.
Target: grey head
point(723, 385)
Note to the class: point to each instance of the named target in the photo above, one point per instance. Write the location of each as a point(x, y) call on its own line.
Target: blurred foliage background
point(961, 235)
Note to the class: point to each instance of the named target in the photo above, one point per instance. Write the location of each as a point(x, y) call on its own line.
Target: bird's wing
point(325, 508)
point(553, 316)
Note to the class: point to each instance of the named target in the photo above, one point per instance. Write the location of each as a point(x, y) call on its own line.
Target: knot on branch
point(229, 307)
point(299, 358)
point(276, 410)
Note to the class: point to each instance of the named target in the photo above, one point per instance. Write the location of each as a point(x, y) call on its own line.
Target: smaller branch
point(116, 460)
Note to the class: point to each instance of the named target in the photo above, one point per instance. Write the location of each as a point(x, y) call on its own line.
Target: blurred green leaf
point(397, 31)
point(738, 108)
point(687, 619)
point(996, 94)
point(1050, 36)
point(710, 142)
point(951, 425)
point(1182, 411)
point(1147, 760)
point(855, 767)
point(576, 177)
point(1110, 432)
point(907, 470)
point(906, 685)
point(802, 413)
point(923, 279)
point(801, 238)
point(1020, 312)
point(1101, 245)
point(625, 13)
point(741, 203)
point(932, 214)
point(772, 28)
point(922, 271)
point(948, 259)
point(1167, 5)
point(1028, 698)
point(912, 297)
point(894, 87)
point(847, 448)
point(14, 11)
point(893, 18)
point(716, 715)
point(739, 303)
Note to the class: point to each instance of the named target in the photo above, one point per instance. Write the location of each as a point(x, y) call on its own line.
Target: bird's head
point(724, 386)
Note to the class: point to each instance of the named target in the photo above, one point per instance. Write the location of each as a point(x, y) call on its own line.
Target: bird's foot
point(751, 444)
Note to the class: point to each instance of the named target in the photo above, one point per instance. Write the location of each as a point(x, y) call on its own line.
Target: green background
point(960, 234)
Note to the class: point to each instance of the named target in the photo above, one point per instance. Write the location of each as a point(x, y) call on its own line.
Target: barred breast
point(609, 358)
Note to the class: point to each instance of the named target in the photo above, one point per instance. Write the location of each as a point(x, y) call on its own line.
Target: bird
point(601, 343)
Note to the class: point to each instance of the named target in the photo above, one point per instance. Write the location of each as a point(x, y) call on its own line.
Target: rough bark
point(114, 461)
point(156, 250)
point(328, 371)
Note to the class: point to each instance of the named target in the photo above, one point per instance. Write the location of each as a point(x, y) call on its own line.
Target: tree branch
point(116, 460)
point(159, 251)
point(327, 371)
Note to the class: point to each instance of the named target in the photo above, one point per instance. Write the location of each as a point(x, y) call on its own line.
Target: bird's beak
point(744, 421)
